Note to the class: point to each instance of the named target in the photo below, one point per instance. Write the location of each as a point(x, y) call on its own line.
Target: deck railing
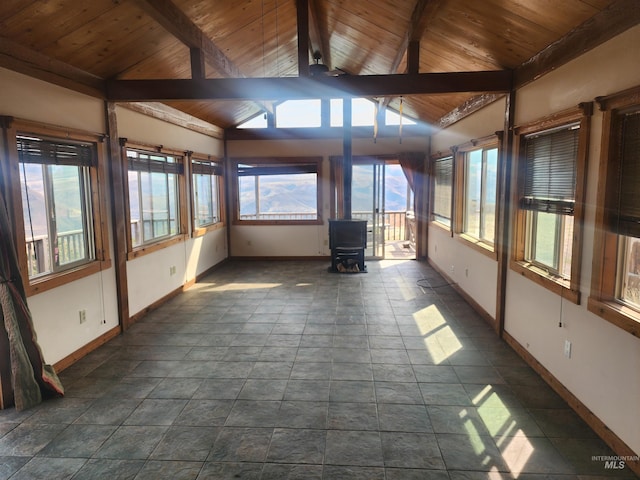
point(396, 226)
point(71, 248)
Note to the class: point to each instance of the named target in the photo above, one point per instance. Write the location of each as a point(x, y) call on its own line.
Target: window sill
point(620, 315)
point(547, 280)
point(55, 280)
point(143, 250)
point(202, 231)
point(442, 226)
point(478, 245)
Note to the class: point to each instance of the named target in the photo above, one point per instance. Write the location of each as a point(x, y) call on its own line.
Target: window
point(56, 189)
point(550, 193)
point(615, 292)
point(278, 190)
point(442, 190)
point(478, 193)
point(206, 177)
point(155, 192)
point(298, 113)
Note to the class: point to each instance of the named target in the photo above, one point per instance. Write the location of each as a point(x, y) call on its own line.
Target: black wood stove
point(347, 240)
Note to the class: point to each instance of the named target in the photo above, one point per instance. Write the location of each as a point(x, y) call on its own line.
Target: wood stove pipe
point(347, 157)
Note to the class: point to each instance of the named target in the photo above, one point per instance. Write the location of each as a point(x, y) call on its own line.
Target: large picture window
point(155, 196)
point(442, 190)
point(278, 190)
point(206, 175)
point(479, 190)
point(551, 171)
point(57, 203)
point(615, 292)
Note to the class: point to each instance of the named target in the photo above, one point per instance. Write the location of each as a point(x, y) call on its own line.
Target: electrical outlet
point(83, 316)
point(452, 270)
point(567, 348)
point(466, 272)
point(172, 270)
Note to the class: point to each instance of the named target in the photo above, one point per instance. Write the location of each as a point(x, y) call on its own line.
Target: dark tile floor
point(281, 370)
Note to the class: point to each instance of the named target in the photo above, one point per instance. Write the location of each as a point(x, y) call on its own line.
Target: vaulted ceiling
point(95, 46)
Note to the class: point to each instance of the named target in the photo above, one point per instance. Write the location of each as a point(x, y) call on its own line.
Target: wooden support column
point(118, 191)
point(197, 63)
point(413, 56)
point(504, 214)
point(347, 156)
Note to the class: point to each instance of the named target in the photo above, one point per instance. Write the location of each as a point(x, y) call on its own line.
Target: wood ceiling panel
point(172, 62)
point(60, 18)
point(224, 114)
point(112, 43)
point(115, 38)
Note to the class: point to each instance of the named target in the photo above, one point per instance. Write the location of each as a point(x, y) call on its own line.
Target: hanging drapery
point(31, 379)
point(412, 166)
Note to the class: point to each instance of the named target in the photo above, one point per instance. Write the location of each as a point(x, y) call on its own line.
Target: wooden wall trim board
point(69, 360)
point(610, 438)
point(486, 316)
point(302, 258)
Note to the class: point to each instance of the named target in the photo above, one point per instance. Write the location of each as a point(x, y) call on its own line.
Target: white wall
point(474, 272)
point(56, 312)
point(303, 240)
point(603, 369)
point(194, 255)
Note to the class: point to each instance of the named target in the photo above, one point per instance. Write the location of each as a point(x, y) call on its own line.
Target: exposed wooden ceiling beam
point(302, 12)
point(465, 109)
point(618, 17)
point(176, 22)
point(610, 22)
point(24, 60)
point(423, 13)
point(287, 88)
point(318, 37)
point(176, 117)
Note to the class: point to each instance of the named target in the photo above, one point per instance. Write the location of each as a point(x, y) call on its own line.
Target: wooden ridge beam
point(288, 88)
point(610, 22)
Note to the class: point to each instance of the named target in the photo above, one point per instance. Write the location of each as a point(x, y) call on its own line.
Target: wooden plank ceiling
point(81, 44)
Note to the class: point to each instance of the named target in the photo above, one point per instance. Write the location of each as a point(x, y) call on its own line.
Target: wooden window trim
point(602, 300)
point(99, 215)
point(568, 289)
point(459, 156)
point(221, 223)
point(235, 201)
point(181, 236)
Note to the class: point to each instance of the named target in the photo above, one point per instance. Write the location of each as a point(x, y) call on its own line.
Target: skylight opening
point(298, 114)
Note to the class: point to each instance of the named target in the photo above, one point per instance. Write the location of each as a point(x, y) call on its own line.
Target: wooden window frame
point(97, 182)
point(602, 300)
point(460, 154)
point(272, 161)
point(198, 231)
point(432, 173)
point(567, 289)
point(165, 242)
